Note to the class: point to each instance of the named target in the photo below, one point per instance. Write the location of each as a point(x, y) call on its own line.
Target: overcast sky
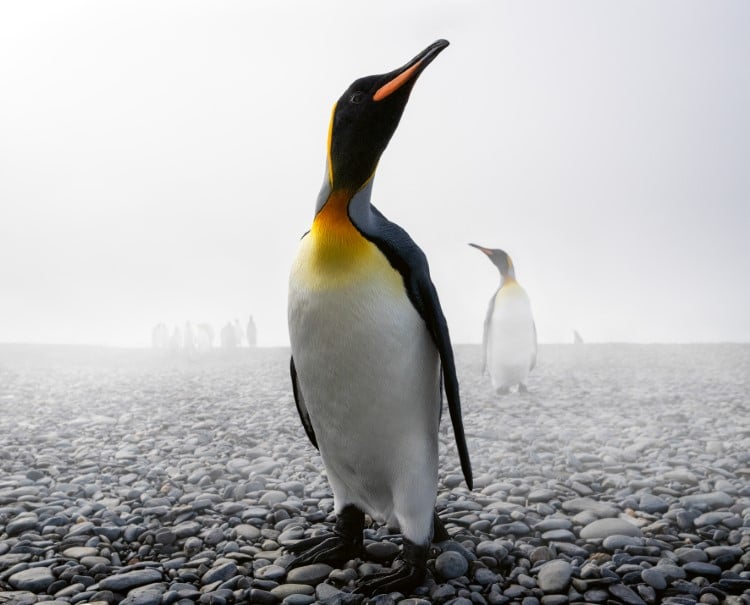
point(160, 160)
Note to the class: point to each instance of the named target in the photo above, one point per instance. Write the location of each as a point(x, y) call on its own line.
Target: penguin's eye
point(357, 97)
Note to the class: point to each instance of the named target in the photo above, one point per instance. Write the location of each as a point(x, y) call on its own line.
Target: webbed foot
point(343, 544)
point(407, 573)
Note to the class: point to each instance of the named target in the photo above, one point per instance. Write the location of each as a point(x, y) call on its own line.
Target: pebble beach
point(131, 477)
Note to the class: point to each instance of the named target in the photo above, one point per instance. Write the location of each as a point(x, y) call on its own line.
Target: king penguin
point(371, 352)
point(509, 338)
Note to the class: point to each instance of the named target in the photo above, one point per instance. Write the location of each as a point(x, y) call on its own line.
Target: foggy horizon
point(159, 162)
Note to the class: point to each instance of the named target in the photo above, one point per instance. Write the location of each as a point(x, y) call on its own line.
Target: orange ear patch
point(390, 87)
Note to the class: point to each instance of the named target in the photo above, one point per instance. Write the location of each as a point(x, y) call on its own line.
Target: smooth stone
point(450, 565)
point(484, 576)
point(78, 552)
point(187, 529)
point(298, 599)
point(489, 548)
point(709, 500)
point(563, 535)
point(589, 505)
point(271, 572)
point(649, 503)
point(672, 572)
point(21, 524)
point(247, 531)
point(147, 595)
point(382, 551)
point(309, 574)
point(712, 518)
point(655, 578)
point(220, 573)
point(601, 528)
point(618, 542)
point(282, 591)
point(723, 551)
point(702, 569)
point(516, 528)
point(130, 579)
point(34, 579)
point(272, 497)
point(541, 495)
point(553, 523)
point(554, 576)
point(625, 594)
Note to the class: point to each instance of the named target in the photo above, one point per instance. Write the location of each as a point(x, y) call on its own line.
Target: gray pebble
point(654, 577)
point(35, 579)
point(601, 528)
point(450, 564)
point(554, 576)
point(130, 579)
point(309, 574)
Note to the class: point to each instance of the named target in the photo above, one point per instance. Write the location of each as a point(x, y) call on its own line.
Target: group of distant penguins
point(372, 357)
point(200, 339)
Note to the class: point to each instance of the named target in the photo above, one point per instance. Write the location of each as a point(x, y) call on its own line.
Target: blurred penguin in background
point(509, 339)
point(251, 332)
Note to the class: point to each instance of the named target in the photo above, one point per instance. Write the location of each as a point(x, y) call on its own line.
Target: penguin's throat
point(337, 241)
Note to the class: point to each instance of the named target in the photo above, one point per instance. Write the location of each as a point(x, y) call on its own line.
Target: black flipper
point(301, 409)
point(409, 260)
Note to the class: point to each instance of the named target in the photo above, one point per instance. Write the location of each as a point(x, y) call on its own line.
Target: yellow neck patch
point(335, 255)
point(337, 243)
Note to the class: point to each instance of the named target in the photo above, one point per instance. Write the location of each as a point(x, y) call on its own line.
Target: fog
point(159, 161)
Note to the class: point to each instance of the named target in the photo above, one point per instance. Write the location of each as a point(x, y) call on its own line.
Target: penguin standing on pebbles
point(371, 353)
point(509, 339)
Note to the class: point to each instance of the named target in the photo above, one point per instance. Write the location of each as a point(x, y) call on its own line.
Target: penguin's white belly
point(369, 375)
point(512, 339)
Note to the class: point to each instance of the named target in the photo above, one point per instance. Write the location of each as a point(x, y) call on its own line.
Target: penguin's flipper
point(533, 354)
point(301, 408)
point(432, 313)
point(409, 260)
point(486, 331)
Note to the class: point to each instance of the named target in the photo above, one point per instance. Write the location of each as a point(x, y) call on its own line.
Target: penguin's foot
point(502, 390)
point(522, 388)
point(344, 544)
point(408, 572)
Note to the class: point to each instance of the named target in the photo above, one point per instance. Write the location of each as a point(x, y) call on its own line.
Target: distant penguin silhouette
point(577, 338)
point(251, 332)
point(509, 340)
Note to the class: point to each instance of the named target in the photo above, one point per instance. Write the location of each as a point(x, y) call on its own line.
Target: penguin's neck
point(334, 231)
point(508, 279)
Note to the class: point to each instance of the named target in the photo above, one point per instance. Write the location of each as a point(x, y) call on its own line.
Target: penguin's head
point(365, 118)
point(500, 259)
